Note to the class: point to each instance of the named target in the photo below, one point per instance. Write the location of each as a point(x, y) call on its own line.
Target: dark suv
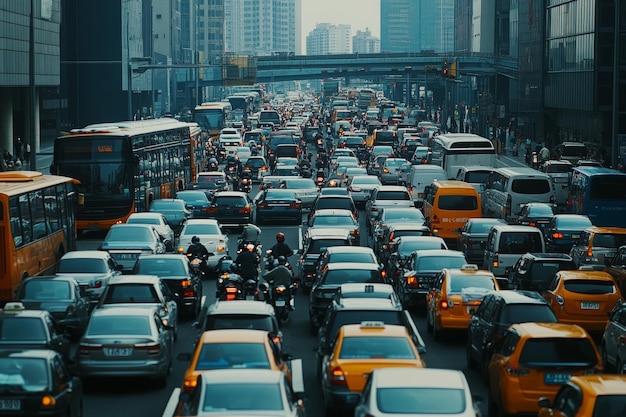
point(495, 314)
point(534, 271)
point(231, 209)
point(344, 311)
point(315, 242)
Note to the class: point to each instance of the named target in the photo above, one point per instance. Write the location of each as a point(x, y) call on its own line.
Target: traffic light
point(444, 70)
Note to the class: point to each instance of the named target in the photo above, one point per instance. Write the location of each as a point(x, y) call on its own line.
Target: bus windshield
point(209, 119)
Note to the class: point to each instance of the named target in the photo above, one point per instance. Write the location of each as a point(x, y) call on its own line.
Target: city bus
point(123, 166)
point(213, 117)
point(598, 193)
point(454, 150)
point(37, 225)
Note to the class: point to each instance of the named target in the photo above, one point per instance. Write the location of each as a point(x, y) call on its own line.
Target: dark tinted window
point(610, 406)
point(237, 202)
point(544, 271)
point(393, 195)
point(319, 245)
point(120, 325)
point(520, 242)
point(131, 293)
point(608, 187)
point(476, 176)
point(362, 258)
point(531, 186)
point(589, 286)
point(540, 210)
point(437, 263)
point(255, 163)
point(420, 400)
point(557, 351)
point(161, 267)
point(82, 265)
point(338, 220)
point(335, 203)
point(578, 223)
point(574, 151)
point(232, 355)
point(559, 168)
point(129, 234)
point(239, 321)
point(376, 347)
point(458, 202)
point(22, 329)
point(345, 276)
point(482, 227)
point(527, 313)
point(608, 240)
point(357, 316)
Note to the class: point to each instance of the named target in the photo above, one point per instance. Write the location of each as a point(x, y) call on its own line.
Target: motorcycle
point(280, 299)
point(271, 262)
point(320, 180)
point(198, 264)
point(246, 184)
point(230, 286)
point(258, 247)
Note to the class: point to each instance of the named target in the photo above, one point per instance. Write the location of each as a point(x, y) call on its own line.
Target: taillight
point(97, 284)
point(557, 235)
point(412, 282)
point(185, 283)
point(262, 205)
point(189, 384)
point(496, 261)
point(517, 371)
point(188, 293)
point(295, 205)
point(532, 224)
point(210, 210)
point(245, 210)
point(84, 349)
point(336, 376)
point(153, 348)
point(356, 215)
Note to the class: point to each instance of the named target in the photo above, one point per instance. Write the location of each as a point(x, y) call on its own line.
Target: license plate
point(118, 352)
point(126, 256)
point(559, 379)
point(589, 305)
point(575, 236)
point(280, 303)
point(10, 404)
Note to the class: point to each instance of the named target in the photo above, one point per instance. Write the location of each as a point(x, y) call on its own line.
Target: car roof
point(90, 254)
point(149, 214)
point(335, 196)
point(549, 330)
point(419, 377)
point(122, 310)
point(515, 228)
point(358, 287)
point(234, 335)
point(202, 221)
point(351, 265)
point(349, 249)
point(392, 188)
point(439, 252)
point(229, 194)
point(178, 256)
point(134, 279)
point(604, 229)
point(23, 313)
point(585, 274)
point(247, 307)
point(548, 256)
point(373, 329)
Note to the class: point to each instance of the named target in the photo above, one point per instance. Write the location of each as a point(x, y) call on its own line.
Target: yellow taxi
point(455, 295)
point(357, 351)
point(583, 297)
point(533, 360)
point(588, 396)
point(234, 348)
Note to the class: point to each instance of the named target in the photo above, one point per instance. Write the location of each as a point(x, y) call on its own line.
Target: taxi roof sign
point(469, 267)
point(14, 306)
point(372, 324)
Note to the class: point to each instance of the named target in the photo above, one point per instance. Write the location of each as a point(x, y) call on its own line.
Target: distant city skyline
point(359, 14)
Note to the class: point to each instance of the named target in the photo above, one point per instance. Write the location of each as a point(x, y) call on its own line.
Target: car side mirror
point(544, 402)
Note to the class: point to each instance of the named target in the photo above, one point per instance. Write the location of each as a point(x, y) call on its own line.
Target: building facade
point(364, 43)
point(328, 39)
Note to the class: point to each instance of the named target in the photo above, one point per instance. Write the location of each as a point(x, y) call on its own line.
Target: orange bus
point(123, 166)
point(37, 225)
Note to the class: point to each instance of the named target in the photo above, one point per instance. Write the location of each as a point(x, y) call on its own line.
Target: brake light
point(383, 273)
point(211, 209)
point(84, 349)
point(337, 377)
point(188, 293)
point(263, 168)
point(185, 283)
point(97, 284)
point(435, 219)
point(354, 232)
point(412, 281)
point(517, 371)
point(153, 349)
point(262, 205)
point(245, 210)
point(295, 205)
point(557, 235)
point(445, 305)
point(532, 224)
point(496, 261)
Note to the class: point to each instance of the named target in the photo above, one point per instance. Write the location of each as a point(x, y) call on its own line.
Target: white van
point(507, 189)
point(507, 243)
point(419, 177)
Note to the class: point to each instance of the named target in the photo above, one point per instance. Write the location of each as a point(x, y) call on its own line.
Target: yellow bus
point(37, 225)
point(213, 117)
point(123, 166)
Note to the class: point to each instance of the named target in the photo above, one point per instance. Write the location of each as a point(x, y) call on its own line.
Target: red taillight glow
point(188, 293)
point(411, 281)
point(153, 348)
point(557, 235)
point(210, 209)
point(245, 210)
point(295, 205)
point(337, 377)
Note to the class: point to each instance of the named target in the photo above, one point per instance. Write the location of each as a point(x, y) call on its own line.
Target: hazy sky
point(359, 14)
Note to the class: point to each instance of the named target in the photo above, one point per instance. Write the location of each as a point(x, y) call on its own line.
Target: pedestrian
point(19, 150)
point(27, 152)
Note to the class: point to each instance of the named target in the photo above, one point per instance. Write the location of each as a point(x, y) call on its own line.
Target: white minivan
point(508, 189)
point(507, 243)
point(421, 176)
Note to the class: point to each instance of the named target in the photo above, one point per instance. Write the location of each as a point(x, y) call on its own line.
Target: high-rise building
point(260, 27)
point(364, 43)
point(328, 39)
point(415, 26)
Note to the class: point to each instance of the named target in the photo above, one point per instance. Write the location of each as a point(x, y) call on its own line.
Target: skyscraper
point(363, 42)
point(328, 39)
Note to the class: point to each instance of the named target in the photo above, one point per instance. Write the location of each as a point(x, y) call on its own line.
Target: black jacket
point(247, 264)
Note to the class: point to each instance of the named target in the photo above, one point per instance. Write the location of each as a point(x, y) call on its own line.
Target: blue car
point(564, 230)
point(275, 204)
point(197, 202)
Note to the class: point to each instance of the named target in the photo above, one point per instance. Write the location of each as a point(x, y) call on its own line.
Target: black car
point(31, 329)
point(534, 271)
point(315, 242)
point(38, 383)
point(276, 204)
point(498, 310)
point(61, 297)
point(331, 279)
point(473, 236)
point(343, 202)
point(535, 215)
point(357, 310)
point(231, 209)
point(174, 211)
point(564, 230)
point(175, 271)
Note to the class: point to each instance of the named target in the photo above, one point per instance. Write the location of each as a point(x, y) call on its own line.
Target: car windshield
point(531, 186)
point(129, 234)
point(554, 352)
point(589, 286)
point(482, 227)
point(201, 229)
point(229, 201)
point(131, 293)
point(239, 321)
point(221, 397)
point(420, 400)
point(318, 246)
point(527, 313)
point(543, 271)
point(21, 329)
point(345, 276)
point(437, 263)
point(46, 290)
point(119, 325)
point(606, 240)
point(376, 348)
point(344, 317)
point(82, 266)
point(28, 374)
point(161, 267)
point(404, 215)
point(333, 221)
point(232, 355)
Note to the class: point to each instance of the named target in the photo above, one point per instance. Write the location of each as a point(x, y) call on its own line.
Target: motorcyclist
point(212, 166)
point(247, 262)
point(198, 250)
point(250, 234)
point(280, 275)
point(281, 248)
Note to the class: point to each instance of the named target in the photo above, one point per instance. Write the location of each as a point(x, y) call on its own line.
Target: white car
point(159, 222)
point(361, 186)
point(305, 189)
point(91, 268)
point(243, 153)
point(211, 236)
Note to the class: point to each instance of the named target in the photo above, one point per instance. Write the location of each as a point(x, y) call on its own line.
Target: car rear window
point(589, 286)
point(478, 177)
point(160, 267)
point(240, 321)
point(46, 290)
point(520, 243)
point(319, 245)
point(344, 317)
point(255, 163)
point(420, 400)
point(553, 352)
point(232, 355)
point(361, 258)
point(437, 263)
point(376, 347)
point(345, 276)
point(131, 293)
point(393, 195)
point(527, 313)
point(119, 325)
point(81, 265)
point(458, 202)
point(236, 202)
point(201, 229)
point(321, 221)
point(19, 329)
point(335, 203)
point(544, 271)
point(606, 240)
point(530, 186)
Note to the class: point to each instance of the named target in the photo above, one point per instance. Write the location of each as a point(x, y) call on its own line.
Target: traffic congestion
point(327, 256)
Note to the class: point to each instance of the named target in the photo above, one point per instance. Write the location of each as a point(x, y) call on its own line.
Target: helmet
point(282, 260)
point(250, 247)
point(280, 237)
point(195, 239)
